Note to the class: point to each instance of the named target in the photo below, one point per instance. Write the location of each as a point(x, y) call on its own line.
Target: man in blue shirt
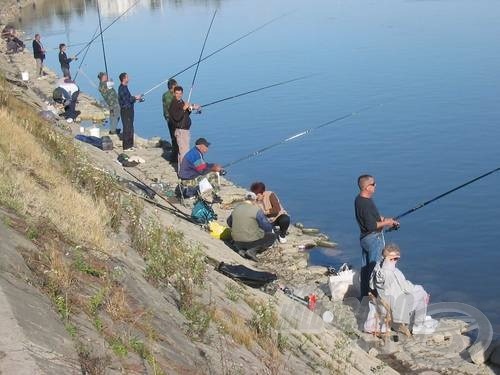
point(126, 101)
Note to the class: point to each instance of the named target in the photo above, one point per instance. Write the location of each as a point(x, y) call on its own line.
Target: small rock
point(438, 339)
point(327, 244)
point(299, 225)
point(310, 230)
point(373, 352)
point(323, 236)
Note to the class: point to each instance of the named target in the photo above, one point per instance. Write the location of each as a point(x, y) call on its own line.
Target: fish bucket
point(95, 132)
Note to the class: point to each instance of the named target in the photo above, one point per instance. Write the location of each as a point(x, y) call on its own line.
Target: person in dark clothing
point(38, 54)
point(371, 226)
point(126, 101)
point(251, 231)
point(167, 98)
point(179, 113)
point(65, 60)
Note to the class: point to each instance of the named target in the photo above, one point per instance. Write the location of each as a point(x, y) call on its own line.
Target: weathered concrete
point(33, 340)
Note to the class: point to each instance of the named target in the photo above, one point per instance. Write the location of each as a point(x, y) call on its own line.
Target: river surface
point(429, 71)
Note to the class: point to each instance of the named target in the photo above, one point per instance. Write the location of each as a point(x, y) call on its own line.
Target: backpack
point(202, 213)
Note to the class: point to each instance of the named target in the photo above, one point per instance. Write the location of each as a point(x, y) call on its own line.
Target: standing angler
point(39, 55)
point(65, 60)
point(371, 226)
point(127, 101)
point(111, 98)
point(179, 113)
point(167, 98)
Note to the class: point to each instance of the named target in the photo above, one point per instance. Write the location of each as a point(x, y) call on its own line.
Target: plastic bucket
point(25, 76)
point(95, 132)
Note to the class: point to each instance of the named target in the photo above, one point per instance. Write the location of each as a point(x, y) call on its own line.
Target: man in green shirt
point(167, 98)
point(111, 98)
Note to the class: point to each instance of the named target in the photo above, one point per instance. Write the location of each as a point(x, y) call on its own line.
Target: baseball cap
point(202, 141)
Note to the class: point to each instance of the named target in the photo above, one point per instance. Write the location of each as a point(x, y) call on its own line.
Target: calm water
point(434, 65)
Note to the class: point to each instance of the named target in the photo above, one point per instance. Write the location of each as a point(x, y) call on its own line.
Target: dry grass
point(235, 326)
point(32, 183)
point(117, 305)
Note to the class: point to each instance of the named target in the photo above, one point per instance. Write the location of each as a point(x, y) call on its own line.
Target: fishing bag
point(202, 213)
point(247, 276)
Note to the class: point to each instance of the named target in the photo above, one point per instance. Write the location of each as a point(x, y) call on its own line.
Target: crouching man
point(251, 230)
point(66, 93)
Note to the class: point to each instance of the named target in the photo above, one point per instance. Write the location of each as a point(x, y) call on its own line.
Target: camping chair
point(384, 312)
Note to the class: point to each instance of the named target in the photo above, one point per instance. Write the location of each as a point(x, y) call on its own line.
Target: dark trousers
point(70, 106)
point(175, 146)
point(127, 115)
point(282, 221)
point(260, 245)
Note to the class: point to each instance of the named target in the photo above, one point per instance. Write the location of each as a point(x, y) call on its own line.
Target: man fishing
point(167, 98)
point(127, 101)
point(111, 98)
point(39, 55)
point(179, 113)
point(371, 226)
point(64, 60)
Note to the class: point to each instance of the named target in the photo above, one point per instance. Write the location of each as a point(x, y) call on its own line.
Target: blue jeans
point(371, 251)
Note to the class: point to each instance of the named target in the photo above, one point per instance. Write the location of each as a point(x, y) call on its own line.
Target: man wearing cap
point(166, 99)
point(111, 98)
point(251, 231)
point(371, 226)
point(194, 167)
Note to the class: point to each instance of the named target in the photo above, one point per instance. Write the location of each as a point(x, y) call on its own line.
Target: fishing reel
point(142, 99)
point(394, 227)
point(222, 172)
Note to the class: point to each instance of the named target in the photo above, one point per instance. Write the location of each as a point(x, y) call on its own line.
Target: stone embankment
point(39, 341)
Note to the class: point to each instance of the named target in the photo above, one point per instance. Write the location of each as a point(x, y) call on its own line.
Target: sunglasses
point(394, 259)
point(372, 184)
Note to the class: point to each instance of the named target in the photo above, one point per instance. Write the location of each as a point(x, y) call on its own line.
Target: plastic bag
point(341, 282)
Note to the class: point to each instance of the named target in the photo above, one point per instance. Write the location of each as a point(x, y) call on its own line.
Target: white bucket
point(25, 76)
point(95, 132)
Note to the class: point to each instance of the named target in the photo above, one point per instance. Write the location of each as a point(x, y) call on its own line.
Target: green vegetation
point(234, 291)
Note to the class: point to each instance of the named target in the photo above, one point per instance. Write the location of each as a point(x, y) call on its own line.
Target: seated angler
point(194, 168)
point(272, 208)
point(407, 302)
point(251, 231)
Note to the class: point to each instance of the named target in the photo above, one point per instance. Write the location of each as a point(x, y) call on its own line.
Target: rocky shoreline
point(442, 352)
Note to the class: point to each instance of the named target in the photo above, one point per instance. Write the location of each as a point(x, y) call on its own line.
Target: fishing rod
point(256, 90)
point(298, 135)
point(411, 210)
point(201, 55)
point(102, 38)
point(219, 50)
point(107, 27)
point(174, 208)
point(84, 56)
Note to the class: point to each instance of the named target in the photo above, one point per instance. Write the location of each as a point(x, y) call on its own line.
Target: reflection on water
point(63, 10)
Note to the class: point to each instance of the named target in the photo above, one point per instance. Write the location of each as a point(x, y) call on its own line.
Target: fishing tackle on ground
point(201, 55)
point(219, 50)
point(298, 135)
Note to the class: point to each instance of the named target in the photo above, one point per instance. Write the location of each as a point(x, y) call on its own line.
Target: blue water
point(429, 68)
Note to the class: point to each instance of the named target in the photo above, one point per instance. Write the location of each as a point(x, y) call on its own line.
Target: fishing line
point(256, 90)
point(421, 205)
point(201, 55)
point(107, 27)
point(102, 38)
point(219, 50)
point(298, 135)
point(84, 55)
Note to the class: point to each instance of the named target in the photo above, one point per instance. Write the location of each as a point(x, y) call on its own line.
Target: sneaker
point(251, 254)
point(129, 149)
point(282, 239)
point(427, 328)
point(69, 120)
